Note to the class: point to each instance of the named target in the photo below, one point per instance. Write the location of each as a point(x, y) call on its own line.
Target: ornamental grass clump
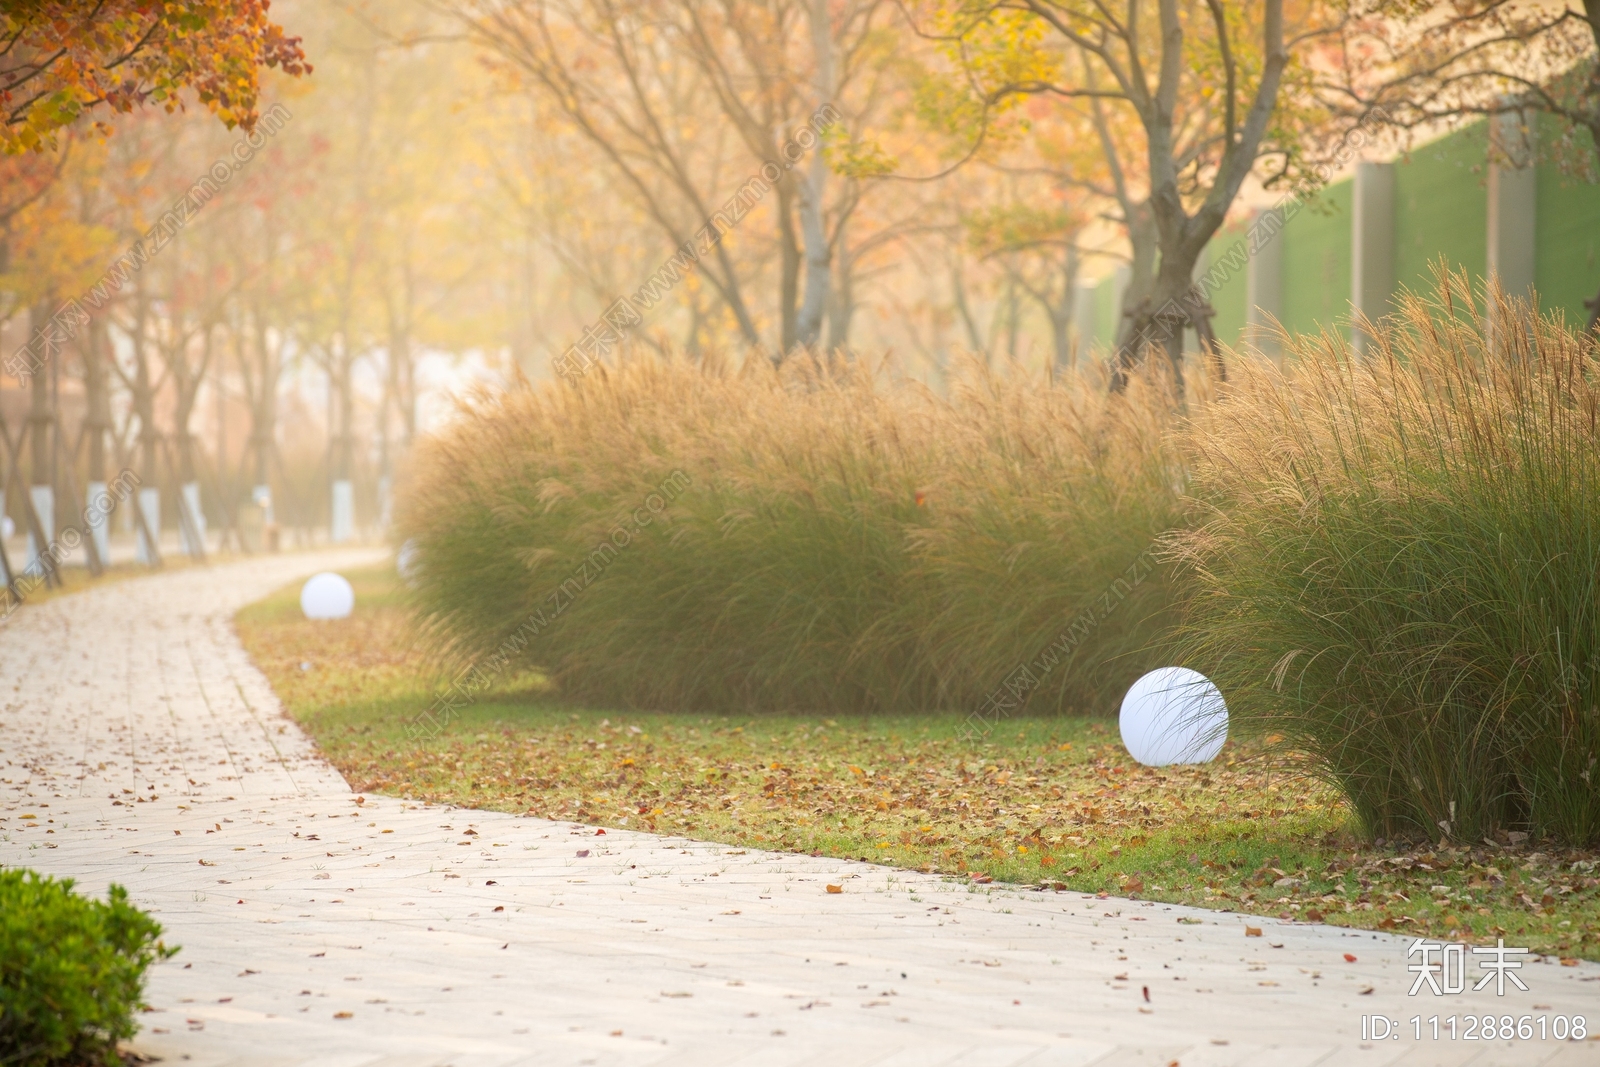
point(72, 971)
point(1395, 565)
point(671, 535)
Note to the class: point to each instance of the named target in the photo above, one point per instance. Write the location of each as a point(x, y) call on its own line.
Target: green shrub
point(71, 971)
point(835, 540)
point(1396, 567)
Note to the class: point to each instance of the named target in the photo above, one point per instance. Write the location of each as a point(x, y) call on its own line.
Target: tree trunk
point(399, 363)
point(958, 289)
point(142, 398)
point(1159, 322)
point(41, 409)
point(1061, 340)
point(188, 389)
point(347, 418)
point(144, 392)
point(263, 402)
point(1013, 307)
point(808, 322)
point(395, 395)
point(841, 298)
point(1142, 239)
point(97, 399)
point(1061, 313)
point(402, 383)
point(788, 269)
point(812, 187)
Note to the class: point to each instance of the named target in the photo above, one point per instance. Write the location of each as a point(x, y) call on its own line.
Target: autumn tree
point(433, 248)
point(257, 246)
point(62, 60)
point(746, 53)
point(1214, 93)
point(1038, 250)
point(610, 68)
point(684, 103)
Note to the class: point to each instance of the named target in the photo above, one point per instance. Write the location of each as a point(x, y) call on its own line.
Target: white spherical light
point(327, 596)
point(1173, 715)
point(405, 562)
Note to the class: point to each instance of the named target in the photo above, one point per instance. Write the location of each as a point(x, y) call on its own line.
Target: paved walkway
point(327, 929)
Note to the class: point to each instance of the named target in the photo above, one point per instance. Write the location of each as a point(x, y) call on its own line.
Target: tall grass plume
point(837, 539)
point(1395, 562)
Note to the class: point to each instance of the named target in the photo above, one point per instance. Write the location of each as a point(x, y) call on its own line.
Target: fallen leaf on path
point(836, 889)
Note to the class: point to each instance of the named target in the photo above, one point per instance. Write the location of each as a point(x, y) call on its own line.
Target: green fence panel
point(1441, 211)
point(1566, 227)
point(1441, 208)
point(1107, 313)
point(1316, 262)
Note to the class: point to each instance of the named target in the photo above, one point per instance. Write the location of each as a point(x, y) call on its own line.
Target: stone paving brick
point(322, 929)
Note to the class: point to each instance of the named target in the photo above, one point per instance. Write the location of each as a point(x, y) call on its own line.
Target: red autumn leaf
point(65, 59)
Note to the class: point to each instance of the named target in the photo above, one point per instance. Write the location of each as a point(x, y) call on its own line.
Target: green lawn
point(1052, 802)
